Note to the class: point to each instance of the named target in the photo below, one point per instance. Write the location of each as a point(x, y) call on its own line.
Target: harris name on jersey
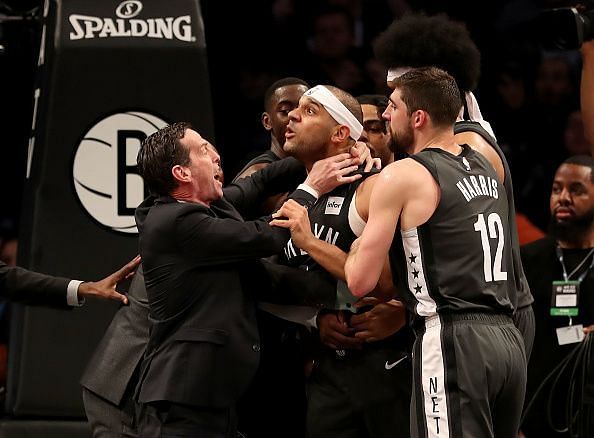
point(479, 185)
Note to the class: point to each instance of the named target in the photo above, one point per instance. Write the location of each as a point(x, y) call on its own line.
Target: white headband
point(336, 109)
point(394, 73)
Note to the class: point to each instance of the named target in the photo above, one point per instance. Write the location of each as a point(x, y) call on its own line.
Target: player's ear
point(265, 118)
point(419, 118)
point(341, 133)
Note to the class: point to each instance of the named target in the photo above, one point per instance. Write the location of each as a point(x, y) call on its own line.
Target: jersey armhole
point(356, 222)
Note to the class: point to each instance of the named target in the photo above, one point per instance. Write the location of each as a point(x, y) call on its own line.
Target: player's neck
point(440, 140)
point(330, 150)
point(276, 148)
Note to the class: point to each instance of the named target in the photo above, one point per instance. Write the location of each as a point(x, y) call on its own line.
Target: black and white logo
point(105, 173)
point(333, 205)
point(126, 25)
point(129, 9)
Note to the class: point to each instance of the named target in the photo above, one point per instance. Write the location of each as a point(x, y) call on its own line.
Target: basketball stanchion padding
point(110, 74)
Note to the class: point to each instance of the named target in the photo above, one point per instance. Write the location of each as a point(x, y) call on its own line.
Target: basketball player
point(363, 388)
point(446, 44)
point(452, 259)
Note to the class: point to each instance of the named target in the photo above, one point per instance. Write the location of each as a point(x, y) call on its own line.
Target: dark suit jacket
point(204, 344)
point(110, 370)
point(201, 272)
point(115, 359)
point(18, 284)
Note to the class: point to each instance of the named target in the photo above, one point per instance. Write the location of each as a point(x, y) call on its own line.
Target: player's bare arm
point(404, 192)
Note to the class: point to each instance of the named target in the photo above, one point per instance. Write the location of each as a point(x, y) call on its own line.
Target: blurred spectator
point(555, 98)
point(377, 75)
point(370, 17)
point(8, 251)
point(510, 109)
point(574, 137)
point(554, 86)
point(587, 89)
point(334, 59)
point(8, 255)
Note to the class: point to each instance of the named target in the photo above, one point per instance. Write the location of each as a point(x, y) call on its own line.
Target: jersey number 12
point(492, 228)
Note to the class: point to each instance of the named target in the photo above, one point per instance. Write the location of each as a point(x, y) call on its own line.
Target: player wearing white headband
point(339, 404)
point(337, 110)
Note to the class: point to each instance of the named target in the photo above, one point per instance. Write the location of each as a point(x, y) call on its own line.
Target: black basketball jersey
point(525, 297)
point(266, 157)
point(460, 259)
point(329, 218)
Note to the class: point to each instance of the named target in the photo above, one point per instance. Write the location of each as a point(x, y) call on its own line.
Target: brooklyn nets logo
point(105, 174)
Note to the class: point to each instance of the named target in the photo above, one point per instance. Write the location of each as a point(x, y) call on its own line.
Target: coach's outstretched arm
point(22, 285)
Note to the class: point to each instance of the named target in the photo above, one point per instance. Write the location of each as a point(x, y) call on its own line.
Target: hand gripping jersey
point(460, 259)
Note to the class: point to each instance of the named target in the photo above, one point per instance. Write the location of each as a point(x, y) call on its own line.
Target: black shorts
point(358, 394)
point(469, 377)
point(524, 321)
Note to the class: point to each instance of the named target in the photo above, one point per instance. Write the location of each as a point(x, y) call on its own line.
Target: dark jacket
point(199, 275)
point(110, 371)
point(18, 284)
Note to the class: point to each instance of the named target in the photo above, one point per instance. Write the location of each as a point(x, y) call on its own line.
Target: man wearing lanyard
point(560, 272)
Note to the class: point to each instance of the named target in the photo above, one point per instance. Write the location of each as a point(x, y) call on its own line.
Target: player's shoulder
point(406, 170)
point(406, 178)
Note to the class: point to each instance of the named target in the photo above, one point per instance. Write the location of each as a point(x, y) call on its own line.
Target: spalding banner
point(110, 73)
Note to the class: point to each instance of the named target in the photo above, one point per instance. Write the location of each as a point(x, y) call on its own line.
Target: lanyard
point(567, 276)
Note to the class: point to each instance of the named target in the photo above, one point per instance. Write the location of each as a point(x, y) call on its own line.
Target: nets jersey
point(460, 259)
point(525, 297)
point(334, 219)
point(266, 157)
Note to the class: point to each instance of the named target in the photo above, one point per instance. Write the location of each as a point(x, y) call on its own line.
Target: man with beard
point(566, 254)
point(421, 41)
point(442, 216)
